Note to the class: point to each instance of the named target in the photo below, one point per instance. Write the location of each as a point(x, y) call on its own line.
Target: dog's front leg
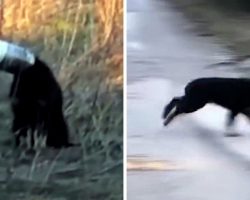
point(170, 112)
point(171, 116)
point(168, 108)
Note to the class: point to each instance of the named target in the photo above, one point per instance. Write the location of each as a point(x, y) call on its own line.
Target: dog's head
point(14, 58)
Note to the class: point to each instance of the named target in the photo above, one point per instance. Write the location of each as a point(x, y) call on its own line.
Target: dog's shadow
point(232, 134)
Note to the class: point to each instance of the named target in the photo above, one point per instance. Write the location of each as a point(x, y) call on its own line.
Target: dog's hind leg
point(230, 132)
point(230, 119)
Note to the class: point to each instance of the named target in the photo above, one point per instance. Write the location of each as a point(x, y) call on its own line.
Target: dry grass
point(82, 42)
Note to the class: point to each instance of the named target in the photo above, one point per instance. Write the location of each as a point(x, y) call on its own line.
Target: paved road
point(183, 161)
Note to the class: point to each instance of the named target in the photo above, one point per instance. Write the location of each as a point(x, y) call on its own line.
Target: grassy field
point(82, 42)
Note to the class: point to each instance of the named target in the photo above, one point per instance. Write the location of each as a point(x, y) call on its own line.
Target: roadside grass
point(82, 42)
point(228, 23)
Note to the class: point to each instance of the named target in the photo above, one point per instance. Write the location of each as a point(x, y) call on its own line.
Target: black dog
point(36, 96)
point(37, 105)
point(230, 93)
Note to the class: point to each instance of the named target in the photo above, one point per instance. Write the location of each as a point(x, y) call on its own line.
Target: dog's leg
point(169, 107)
point(170, 111)
point(18, 133)
point(246, 112)
point(171, 116)
point(181, 105)
point(229, 125)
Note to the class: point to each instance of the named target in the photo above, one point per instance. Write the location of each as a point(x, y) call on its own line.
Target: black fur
point(37, 105)
point(230, 93)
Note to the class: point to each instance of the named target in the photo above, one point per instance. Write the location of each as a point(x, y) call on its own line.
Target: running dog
point(230, 93)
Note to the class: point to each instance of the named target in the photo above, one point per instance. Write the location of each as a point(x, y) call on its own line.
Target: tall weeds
point(82, 42)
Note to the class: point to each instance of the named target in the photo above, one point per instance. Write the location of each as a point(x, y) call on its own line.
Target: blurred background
point(227, 19)
point(171, 42)
point(82, 41)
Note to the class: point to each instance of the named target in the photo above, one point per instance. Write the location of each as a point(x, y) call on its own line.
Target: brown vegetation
point(82, 42)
